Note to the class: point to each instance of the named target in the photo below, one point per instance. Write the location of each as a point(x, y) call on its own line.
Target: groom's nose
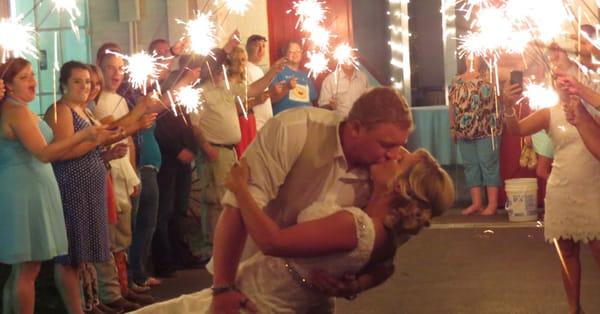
point(396, 153)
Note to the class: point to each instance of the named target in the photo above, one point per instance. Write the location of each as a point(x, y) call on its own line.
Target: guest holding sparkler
point(81, 176)
point(217, 129)
point(237, 71)
point(32, 228)
point(473, 124)
point(112, 108)
point(292, 88)
point(342, 88)
point(572, 202)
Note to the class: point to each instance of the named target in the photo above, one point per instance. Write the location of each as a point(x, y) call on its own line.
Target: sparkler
point(143, 68)
point(540, 96)
point(317, 63)
point(562, 260)
point(344, 54)
point(238, 7)
point(310, 13)
point(225, 76)
point(242, 106)
point(320, 36)
point(17, 39)
point(69, 7)
point(202, 34)
point(189, 98)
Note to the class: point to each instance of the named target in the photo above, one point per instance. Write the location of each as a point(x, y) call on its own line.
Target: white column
point(400, 46)
point(448, 10)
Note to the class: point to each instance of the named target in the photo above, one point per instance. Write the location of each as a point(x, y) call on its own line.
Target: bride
point(405, 195)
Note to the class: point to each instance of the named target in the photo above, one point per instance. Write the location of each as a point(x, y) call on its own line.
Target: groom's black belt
point(228, 146)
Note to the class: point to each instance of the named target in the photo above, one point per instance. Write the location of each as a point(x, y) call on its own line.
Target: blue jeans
point(146, 218)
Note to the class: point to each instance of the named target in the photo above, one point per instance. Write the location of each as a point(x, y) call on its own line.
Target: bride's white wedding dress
point(279, 285)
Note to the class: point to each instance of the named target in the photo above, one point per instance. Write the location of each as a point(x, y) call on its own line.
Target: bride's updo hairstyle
point(426, 191)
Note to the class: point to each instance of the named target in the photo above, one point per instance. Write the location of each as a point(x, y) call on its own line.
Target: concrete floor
point(460, 265)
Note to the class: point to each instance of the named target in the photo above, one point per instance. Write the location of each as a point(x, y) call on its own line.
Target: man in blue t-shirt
point(291, 87)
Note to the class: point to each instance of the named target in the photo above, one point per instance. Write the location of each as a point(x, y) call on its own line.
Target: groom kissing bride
point(324, 225)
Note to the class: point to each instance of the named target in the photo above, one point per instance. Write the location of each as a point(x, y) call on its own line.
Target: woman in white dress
point(572, 200)
point(405, 195)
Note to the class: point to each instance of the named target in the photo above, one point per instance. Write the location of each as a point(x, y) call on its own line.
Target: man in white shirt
point(306, 155)
point(217, 131)
point(256, 47)
point(342, 88)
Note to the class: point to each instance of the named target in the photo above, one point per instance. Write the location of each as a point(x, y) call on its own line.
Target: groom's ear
point(355, 127)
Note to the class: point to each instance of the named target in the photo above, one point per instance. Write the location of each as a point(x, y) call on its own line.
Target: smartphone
point(516, 77)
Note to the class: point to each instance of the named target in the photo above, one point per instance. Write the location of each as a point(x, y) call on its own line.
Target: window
point(48, 22)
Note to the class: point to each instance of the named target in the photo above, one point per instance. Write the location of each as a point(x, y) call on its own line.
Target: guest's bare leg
point(475, 201)
point(24, 287)
point(67, 282)
point(492, 193)
point(572, 274)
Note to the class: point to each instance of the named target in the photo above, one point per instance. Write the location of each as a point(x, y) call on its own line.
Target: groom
point(306, 155)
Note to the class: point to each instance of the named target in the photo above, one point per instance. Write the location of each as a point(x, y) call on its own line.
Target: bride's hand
point(238, 176)
point(232, 302)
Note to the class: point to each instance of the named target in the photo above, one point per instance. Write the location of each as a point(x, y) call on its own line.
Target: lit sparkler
point(344, 54)
point(189, 97)
point(317, 63)
point(545, 18)
point(69, 7)
point(202, 34)
point(320, 36)
point(310, 13)
point(143, 68)
point(17, 39)
point(238, 7)
point(540, 96)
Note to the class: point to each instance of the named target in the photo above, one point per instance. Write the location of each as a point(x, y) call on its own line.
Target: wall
point(371, 36)
point(157, 20)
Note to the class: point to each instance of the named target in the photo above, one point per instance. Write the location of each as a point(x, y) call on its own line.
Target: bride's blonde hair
point(426, 189)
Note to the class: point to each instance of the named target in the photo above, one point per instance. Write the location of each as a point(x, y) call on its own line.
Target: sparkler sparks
point(189, 97)
point(202, 34)
point(238, 7)
point(70, 7)
point(320, 36)
point(317, 63)
point(344, 54)
point(310, 13)
point(143, 68)
point(540, 96)
point(17, 39)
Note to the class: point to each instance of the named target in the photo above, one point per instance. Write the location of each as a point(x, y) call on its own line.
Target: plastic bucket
point(521, 199)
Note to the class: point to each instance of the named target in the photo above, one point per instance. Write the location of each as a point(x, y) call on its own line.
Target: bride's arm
point(334, 233)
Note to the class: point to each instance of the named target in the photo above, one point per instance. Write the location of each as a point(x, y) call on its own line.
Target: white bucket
point(521, 199)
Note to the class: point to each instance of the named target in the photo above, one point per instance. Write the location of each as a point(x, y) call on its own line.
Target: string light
point(399, 45)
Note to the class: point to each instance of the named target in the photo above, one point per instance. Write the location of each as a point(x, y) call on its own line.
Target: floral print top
point(474, 109)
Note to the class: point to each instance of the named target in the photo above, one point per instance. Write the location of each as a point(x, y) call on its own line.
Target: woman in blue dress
point(32, 227)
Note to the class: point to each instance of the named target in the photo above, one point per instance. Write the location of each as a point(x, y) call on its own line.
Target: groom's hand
point(345, 287)
point(231, 302)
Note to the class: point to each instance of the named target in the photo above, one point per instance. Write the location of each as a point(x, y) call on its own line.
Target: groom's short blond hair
point(382, 105)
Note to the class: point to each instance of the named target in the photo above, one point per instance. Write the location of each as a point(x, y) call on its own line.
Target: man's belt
point(228, 146)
